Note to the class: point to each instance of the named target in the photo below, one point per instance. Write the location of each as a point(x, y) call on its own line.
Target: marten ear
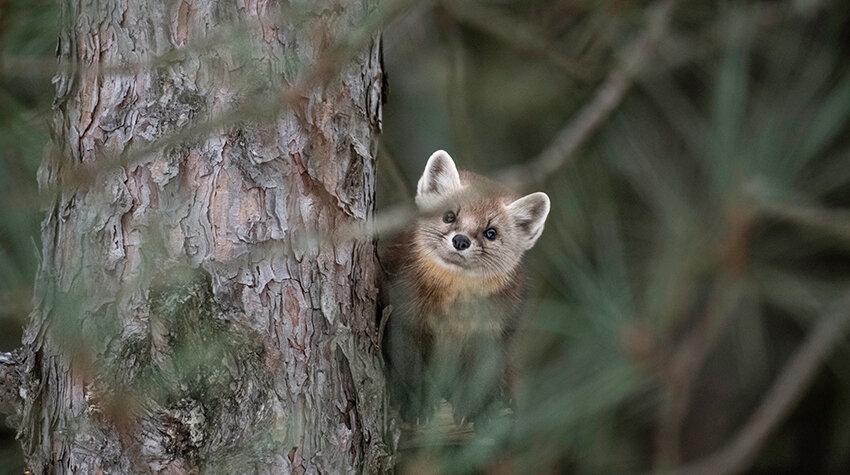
point(439, 180)
point(529, 214)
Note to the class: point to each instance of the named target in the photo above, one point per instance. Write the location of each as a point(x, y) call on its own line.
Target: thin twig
point(41, 66)
point(680, 373)
point(785, 392)
point(830, 221)
point(576, 133)
point(258, 108)
point(521, 37)
point(633, 60)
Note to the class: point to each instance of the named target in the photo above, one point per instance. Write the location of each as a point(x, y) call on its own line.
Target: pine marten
point(457, 285)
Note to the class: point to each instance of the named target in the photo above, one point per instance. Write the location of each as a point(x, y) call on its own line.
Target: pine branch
point(608, 96)
point(786, 391)
point(634, 59)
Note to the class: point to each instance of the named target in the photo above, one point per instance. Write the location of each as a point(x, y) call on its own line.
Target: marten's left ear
point(439, 180)
point(529, 214)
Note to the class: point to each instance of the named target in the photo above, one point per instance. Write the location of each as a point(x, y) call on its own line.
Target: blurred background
point(28, 32)
point(690, 288)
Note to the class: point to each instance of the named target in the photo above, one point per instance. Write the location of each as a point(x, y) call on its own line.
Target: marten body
point(457, 285)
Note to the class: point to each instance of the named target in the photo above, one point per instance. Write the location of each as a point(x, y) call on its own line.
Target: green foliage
point(707, 216)
point(709, 211)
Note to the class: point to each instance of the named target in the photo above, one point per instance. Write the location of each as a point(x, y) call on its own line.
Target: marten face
point(475, 237)
point(471, 226)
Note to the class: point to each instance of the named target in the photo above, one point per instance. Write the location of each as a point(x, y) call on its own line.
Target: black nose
point(460, 242)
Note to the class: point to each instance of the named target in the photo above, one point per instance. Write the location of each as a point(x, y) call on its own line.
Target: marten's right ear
point(439, 180)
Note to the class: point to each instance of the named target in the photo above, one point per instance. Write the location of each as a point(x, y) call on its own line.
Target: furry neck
point(445, 287)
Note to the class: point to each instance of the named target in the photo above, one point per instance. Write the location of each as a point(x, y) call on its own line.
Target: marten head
point(472, 225)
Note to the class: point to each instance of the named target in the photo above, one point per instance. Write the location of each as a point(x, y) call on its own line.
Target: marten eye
point(449, 217)
point(490, 233)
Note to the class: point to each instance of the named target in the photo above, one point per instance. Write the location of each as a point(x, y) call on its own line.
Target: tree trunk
point(194, 311)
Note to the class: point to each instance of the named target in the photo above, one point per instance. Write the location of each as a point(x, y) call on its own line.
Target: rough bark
point(194, 310)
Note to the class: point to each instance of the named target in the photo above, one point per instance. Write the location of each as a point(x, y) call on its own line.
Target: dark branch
point(521, 37)
point(786, 391)
point(633, 60)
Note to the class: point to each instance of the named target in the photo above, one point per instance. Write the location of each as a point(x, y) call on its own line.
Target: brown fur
point(457, 284)
point(441, 313)
point(434, 292)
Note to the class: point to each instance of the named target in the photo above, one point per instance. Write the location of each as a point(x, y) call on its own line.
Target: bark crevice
point(196, 308)
point(11, 385)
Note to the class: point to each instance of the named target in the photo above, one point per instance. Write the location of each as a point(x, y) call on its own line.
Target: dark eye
point(490, 233)
point(449, 217)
